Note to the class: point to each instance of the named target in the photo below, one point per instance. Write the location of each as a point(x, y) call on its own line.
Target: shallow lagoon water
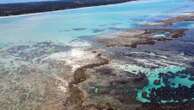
point(67, 25)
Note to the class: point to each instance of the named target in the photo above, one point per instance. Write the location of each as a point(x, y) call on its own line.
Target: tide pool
point(65, 26)
point(168, 76)
point(154, 75)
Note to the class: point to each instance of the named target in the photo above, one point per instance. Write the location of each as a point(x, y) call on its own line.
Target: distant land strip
point(44, 6)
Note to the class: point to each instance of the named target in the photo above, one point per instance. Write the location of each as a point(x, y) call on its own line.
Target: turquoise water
point(154, 75)
point(64, 26)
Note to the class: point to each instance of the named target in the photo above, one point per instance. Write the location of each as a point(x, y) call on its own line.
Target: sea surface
point(67, 25)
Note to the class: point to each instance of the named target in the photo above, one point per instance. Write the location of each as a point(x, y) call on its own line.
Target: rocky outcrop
point(76, 98)
point(172, 20)
point(142, 37)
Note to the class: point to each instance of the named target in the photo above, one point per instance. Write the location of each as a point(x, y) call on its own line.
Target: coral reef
point(123, 73)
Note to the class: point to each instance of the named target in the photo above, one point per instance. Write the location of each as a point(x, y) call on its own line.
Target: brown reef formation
point(77, 96)
point(141, 37)
point(100, 86)
point(94, 83)
point(187, 17)
point(171, 21)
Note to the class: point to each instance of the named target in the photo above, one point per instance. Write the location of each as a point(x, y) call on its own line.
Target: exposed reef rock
point(77, 97)
point(170, 21)
point(186, 17)
point(79, 74)
point(149, 36)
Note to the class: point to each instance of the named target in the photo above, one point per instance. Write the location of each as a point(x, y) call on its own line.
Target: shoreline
point(38, 7)
point(59, 11)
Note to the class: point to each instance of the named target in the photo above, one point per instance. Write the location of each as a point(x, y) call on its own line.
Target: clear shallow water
point(154, 75)
point(68, 25)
